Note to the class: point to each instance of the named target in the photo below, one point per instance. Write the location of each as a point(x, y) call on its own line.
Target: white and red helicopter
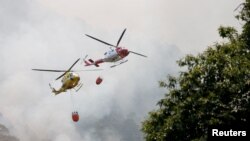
point(113, 55)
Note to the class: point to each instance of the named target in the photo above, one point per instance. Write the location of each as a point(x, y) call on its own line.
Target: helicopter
point(114, 55)
point(69, 80)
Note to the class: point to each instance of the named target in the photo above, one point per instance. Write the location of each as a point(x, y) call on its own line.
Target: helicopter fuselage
point(112, 55)
point(115, 55)
point(69, 81)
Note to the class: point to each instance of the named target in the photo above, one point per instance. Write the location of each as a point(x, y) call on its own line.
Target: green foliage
point(228, 32)
point(213, 91)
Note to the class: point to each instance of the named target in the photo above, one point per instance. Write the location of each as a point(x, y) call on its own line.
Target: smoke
point(41, 34)
point(4, 132)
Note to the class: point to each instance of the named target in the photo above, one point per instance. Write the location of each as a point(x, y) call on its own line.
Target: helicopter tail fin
point(91, 62)
point(87, 63)
point(94, 63)
point(54, 90)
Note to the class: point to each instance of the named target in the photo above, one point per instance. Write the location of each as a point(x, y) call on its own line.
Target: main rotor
point(117, 44)
point(65, 71)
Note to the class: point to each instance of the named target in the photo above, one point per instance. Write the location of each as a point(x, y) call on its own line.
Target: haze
point(50, 34)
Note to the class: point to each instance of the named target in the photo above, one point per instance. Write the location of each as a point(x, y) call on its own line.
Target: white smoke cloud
point(50, 34)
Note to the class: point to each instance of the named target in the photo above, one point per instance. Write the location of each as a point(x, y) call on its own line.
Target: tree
point(213, 91)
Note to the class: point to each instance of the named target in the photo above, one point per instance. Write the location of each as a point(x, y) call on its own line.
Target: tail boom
point(91, 62)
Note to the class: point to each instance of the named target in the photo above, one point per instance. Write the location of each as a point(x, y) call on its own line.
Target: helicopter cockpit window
point(71, 76)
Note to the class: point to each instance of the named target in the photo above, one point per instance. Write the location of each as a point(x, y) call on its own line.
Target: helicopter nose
point(122, 52)
point(125, 52)
point(76, 77)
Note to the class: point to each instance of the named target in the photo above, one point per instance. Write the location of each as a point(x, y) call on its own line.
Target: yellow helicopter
point(70, 79)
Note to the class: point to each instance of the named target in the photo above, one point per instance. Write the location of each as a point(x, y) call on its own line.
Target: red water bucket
point(75, 116)
point(99, 80)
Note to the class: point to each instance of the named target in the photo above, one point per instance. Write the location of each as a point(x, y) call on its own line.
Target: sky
point(49, 34)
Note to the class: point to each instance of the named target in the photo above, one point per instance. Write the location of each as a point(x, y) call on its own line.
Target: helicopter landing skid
point(79, 86)
point(124, 61)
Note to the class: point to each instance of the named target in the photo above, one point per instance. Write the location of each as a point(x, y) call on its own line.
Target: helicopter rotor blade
point(85, 57)
point(62, 75)
point(120, 37)
point(49, 70)
point(86, 70)
point(68, 69)
point(137, 53)
point(100, 40)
